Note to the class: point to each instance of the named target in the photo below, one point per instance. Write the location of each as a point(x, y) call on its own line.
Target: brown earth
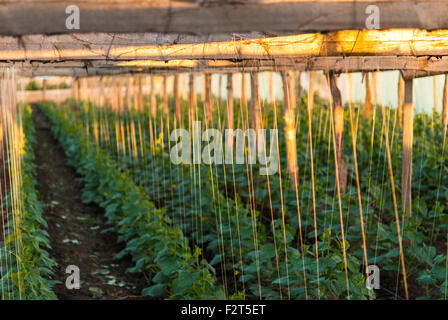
point(75, 229)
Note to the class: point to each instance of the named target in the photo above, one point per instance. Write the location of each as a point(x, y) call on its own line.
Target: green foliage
point(157, 246)
point(26, 265)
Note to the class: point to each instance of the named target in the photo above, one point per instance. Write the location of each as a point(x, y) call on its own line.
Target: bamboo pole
point(406, 174)
point(338, 114)
point(290, 127)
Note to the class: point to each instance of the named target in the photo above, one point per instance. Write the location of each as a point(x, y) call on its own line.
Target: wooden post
point(408, 123)
point(338, 115)
point(400, 99)
point(436, 95)
point(255, 107)
point(375, 88)
point(368, 98)
point(445, 102)
point(101, 92)
point(290, 127)
point(220, 89)
point(311, 93)
point(203, 87)
point(73, 88)
point(271, 87)
point(177, 108)
point(243, 89)
point(120, 94)
point(153, 100)
point(192, 97)
point(92, 86)
point(134, 92)
point(128, 92)
point(140, 93)
point(230, 101)
point(208, 98)
point(299, 88)
point(165, 96)
point(44, 90)
point(78, 89)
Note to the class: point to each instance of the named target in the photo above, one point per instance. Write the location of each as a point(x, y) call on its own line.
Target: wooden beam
point(127, 47)
point(425, 66)
point(49, 17)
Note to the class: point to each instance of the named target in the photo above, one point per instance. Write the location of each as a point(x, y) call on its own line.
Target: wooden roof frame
point(20, 17)
point(311, 35)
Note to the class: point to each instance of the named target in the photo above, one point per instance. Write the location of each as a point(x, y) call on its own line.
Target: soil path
point(75, 229)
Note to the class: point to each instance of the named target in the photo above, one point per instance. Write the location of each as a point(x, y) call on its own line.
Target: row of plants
point(425, 260)
point(26, 268)
point(158, 247)
point(238, 238)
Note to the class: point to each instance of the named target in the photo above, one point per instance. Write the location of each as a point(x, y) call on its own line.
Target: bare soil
point(75, 229)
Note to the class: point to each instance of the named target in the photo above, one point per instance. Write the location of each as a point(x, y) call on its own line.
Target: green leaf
point(184, 281)
point(157, 290)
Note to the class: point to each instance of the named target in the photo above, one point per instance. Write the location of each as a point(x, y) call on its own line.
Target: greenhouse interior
point(223, 150)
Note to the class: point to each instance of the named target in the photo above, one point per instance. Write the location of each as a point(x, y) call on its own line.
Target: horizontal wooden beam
point(418, 66)
point(126, 47)
point(213, 16)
